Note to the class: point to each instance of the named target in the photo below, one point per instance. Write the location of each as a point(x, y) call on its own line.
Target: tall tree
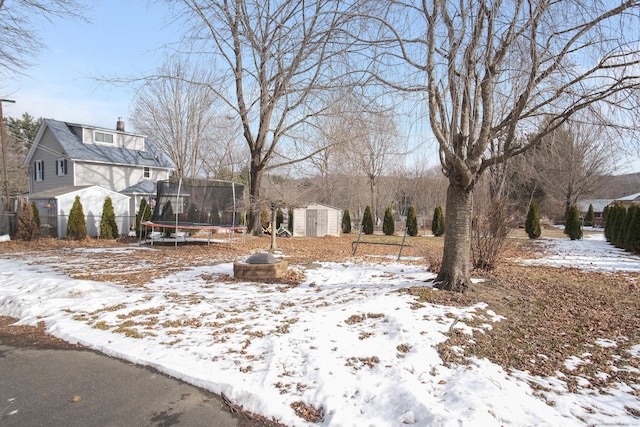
point(570, 162)
point(24, 130)
point(177, 110)
point(19, 41)
point(503, 71)
point(274, 61)
point(373, 148)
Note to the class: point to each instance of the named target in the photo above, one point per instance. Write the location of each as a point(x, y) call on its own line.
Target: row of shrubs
point(28, 227)
point(388, 224)
point(622, 226)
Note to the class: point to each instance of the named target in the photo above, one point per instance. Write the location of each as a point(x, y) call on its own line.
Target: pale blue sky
point(124, 38)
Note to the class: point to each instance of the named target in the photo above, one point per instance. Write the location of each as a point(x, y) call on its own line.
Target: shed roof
point(61, 191)
point(598, 204)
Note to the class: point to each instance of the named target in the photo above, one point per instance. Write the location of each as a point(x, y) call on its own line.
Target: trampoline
point(177, 234)
point(191, 206)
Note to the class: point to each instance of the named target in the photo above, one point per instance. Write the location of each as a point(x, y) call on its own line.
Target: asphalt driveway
point(63, 387)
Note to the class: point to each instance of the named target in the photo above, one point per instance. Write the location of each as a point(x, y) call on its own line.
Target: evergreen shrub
point(77, 224)
point(412, 221)
point(590, 217)
point(36, 217)
point(573, 227)
point(26, 227)
point(532, 224)
point(346, 222)
point(437, 225)
point(367, 221)
point(388, 227)
point(108, 226)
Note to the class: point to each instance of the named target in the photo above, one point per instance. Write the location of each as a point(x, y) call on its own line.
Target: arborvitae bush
point(192, 214)
point(26, 227)
point(367, 221)
point(412, 221)
point(634, 225)
point(346, 222)
point(589, 217)
point(36, 218)
point(214, 218)
point(108, 226)
point(532, 225)
point(621, 230)
point(77, 225)
point(388, 227)
point(573, 227)
point(609, 218)
point(279, 218)
point(437, 225)
point(632, 230)
point(144, 214)
point(167, 212)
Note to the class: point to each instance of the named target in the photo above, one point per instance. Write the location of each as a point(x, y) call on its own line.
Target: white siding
point(115, 178)
point(92, 200)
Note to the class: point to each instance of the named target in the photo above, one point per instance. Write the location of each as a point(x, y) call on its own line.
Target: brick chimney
point(120, 125)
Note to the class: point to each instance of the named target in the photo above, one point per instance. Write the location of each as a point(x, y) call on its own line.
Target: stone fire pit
point(260, 267)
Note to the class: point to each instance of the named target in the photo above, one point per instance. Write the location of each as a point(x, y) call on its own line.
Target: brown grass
point(550, 313)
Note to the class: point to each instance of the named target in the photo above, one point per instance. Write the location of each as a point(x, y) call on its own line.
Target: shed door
point(312, 219)
point(323, 223)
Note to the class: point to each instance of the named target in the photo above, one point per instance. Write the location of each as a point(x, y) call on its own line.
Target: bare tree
point(177, 114)
point(498, 71)
point(225, 156)
point(275, 60)
point(373, 148)
point(18, 34)
point(571, 161)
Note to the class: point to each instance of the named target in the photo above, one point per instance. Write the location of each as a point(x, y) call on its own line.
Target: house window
point(146, 172)
point(38, 170)
point(61, 167)
point(105, 138)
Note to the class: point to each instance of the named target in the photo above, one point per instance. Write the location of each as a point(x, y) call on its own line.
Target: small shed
point(54, 207)
point(317, 220)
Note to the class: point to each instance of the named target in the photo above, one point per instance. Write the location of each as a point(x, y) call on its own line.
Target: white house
point(54, 207)
point(317, 220)
point(67, 156)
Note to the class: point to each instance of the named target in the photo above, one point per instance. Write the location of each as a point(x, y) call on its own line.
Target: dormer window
point(102, 137)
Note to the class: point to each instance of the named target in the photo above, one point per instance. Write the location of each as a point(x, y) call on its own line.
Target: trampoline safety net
point(198, 201)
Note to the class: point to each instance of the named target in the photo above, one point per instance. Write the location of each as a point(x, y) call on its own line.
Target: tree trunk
point(255, 212)
point(455, 272)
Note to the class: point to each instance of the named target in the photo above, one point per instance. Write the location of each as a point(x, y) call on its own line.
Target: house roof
point(75, 149)
point(143, 187)
point(598, 204)
point(629, 198)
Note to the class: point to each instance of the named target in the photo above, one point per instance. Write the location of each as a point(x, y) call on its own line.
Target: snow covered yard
point(344, 348)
